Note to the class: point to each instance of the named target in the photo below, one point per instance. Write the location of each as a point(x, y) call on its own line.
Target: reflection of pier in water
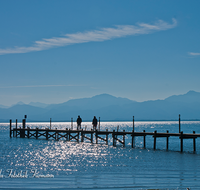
point(80, 135)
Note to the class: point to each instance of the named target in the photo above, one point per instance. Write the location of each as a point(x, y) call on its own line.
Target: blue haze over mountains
point(109, 108)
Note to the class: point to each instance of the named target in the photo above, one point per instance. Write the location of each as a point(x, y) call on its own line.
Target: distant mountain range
point(108, 108)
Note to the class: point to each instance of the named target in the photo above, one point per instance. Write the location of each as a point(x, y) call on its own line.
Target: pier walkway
point(80, 135)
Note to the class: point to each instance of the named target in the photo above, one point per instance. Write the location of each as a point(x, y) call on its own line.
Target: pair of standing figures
point(94, 123)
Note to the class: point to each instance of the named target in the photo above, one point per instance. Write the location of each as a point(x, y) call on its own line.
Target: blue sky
point(52, 51)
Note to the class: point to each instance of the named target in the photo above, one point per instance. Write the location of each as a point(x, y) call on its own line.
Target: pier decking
point(80, 135)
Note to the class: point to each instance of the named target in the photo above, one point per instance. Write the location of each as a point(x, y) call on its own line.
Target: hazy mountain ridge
point(109, 108)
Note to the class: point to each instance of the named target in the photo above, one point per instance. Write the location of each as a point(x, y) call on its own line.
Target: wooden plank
point(101, 138)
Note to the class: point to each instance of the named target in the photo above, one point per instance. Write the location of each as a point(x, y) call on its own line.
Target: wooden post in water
point(28, 132)
point(124, 139)
point(82, 136)
point(16, 128)
point(24, 123)
point(91, 136)
point(36, 133)
point(22, 130)
point(78, 137)
point(106, 137)
point(10, 128)
point(56, 135)
point(133, 125)
point(96, 132)
point(194, 143)
point(67, 136)
point(144, 140)
point(154, 147)
point(132, 144)
point(47, 134)
point(181, 137)
point(167, 145)
point(114, 143)
point(99, 123)
point(179, 123)
point(25, 116)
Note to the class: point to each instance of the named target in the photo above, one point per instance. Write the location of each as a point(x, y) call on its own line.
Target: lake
point(41, 164)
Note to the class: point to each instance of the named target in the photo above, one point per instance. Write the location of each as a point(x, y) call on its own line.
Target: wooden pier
point(80, 135)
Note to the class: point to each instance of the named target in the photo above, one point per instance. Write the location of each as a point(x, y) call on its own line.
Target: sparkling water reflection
point(89, 166)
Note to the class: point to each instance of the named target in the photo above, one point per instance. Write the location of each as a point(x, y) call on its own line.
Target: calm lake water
point(71, 165)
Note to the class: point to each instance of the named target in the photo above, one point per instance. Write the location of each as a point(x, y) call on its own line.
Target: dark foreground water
point(40, 164)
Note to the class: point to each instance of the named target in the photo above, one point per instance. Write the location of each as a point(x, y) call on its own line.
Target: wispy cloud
point(93, 36)
point(36, 86)
point(193, 54)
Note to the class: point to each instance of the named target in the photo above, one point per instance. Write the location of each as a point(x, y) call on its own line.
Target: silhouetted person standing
point(79, 121)
point(94, 123)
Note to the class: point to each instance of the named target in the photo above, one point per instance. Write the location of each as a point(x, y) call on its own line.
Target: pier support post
point(99, 123)
point(36, 133)
point(96, 136)
point(132, 143)
point(154, 147)
point(194, 143)
point(10, 128)
point(179, 123)
point(82, 136)
point(106, 137)
point(22, 133)
point(28, 132)
point(22, 130)
point(123, 139)
point(23, 123)
point(181, 137)
point(15, 133)
point(56, 135)
point(47, 134)
point(167, 145)
point(144, 139)
point(91, 136)
point(67, 135)
point(114, 142)
point(78, 138)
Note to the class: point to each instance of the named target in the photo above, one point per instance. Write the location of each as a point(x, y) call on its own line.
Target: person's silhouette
point(79, 121)
point(94, 123)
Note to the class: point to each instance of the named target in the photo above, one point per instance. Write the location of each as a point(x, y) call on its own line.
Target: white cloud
point(193, 54)
point(93, 36)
